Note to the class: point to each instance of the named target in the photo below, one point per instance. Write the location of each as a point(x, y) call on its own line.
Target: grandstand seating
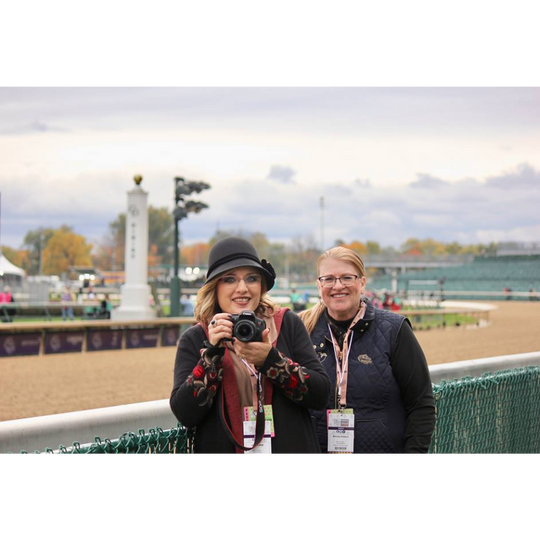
point(519, 273)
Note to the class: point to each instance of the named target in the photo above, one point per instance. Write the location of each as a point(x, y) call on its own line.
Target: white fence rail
point(475, 368)
point(31, 434)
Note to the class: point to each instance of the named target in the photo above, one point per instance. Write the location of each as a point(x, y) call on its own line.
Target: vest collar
point(320, 332)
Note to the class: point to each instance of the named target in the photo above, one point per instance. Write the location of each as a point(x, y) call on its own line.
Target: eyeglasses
point(329, 281)
point(250, 281)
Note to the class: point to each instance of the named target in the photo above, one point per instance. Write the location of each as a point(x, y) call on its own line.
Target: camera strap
point(259, 422)
point(231, 405)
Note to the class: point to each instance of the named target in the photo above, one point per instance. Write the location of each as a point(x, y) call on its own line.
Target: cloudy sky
point(451, 164)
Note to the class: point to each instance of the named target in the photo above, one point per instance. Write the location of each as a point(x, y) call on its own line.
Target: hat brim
point(237, 263)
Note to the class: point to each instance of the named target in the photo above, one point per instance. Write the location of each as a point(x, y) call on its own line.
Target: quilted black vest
point(372, 391)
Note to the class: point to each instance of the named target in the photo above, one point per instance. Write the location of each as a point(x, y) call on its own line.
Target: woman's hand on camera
point(254, 352)
point(220, 328)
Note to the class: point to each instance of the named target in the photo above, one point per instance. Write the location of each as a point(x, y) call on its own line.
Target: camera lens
point(244, 330)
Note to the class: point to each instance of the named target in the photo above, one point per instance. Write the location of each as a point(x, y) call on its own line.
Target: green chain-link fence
point(178, 440)
point(495, 413)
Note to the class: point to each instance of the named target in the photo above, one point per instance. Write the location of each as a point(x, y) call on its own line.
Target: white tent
point(9, 269)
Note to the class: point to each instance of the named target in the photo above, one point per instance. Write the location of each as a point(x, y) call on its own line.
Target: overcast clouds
point(451, 164)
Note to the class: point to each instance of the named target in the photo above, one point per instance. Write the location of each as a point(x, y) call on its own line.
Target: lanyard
point(258, 377)
point(342, 363)
point(342, 359)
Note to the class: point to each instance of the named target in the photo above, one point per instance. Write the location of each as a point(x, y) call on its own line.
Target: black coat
point(299, 383)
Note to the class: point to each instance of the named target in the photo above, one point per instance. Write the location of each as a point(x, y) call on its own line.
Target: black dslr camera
point(247, 327)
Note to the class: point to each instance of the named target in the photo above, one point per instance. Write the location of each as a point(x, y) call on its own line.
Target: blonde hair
point(206, 303)
point(311, 316)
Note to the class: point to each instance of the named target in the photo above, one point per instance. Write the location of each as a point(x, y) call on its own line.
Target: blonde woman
point(382, 399)
point(246, 376)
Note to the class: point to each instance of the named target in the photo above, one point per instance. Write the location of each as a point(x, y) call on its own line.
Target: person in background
point(67, 310)
point(105, 308)
point(297, 301)
point(187, 306)
point(7, 298)
point(5, 295)
point(381, 385)
point(91, 294)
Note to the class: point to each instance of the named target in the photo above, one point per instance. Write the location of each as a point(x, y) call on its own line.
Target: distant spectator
point(5, 296)
point(187, 306)
point(388, 301)
point(374, 298)
point(532, 294)
point(105, 308)
point(396, 306)
point(297, 301)
point(67, 310)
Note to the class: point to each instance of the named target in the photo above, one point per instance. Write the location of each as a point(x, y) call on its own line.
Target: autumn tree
point(195, 254)
point(303, 255)
point(34, 243)
point(65, 249)
point(18, 257)
point(109, 254)
point(424, 248)
point(357, 246)
point(161, 233)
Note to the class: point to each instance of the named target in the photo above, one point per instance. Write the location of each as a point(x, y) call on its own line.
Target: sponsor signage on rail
point(142, 337)
point(63, 342)
point(26, 344)
point(103, 340)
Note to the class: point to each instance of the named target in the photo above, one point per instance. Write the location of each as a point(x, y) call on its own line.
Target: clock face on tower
point(133, 209)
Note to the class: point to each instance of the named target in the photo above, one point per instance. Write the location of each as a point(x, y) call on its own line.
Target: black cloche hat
point(233, 252)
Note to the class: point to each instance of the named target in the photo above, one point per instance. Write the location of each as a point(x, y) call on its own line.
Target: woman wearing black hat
point(246, 376)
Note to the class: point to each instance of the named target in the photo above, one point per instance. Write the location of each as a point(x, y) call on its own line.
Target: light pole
point(182, 208)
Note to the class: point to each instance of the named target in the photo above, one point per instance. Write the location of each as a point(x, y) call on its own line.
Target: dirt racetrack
point(40, 385)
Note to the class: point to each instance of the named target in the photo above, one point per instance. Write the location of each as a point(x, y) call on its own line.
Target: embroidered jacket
point(295, 382)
